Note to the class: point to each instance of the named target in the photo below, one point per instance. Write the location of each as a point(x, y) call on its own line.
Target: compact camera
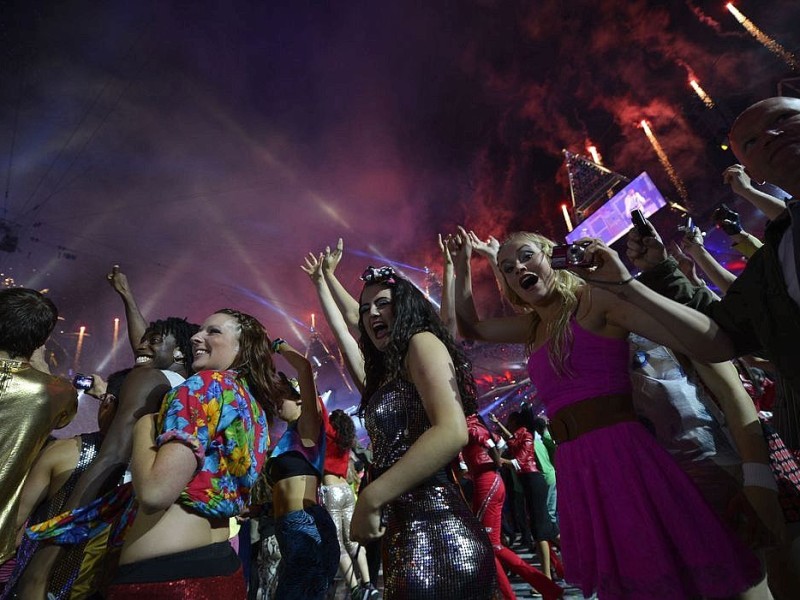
point(687, 227)
point(570, 255)
point(82, 382)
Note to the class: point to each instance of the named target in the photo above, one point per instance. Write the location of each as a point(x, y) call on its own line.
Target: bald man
point(761, 310)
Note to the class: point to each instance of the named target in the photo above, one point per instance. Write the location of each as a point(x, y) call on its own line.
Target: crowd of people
point(663, 465)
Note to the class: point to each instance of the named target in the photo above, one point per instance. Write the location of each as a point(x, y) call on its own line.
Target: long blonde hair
point(565, 286)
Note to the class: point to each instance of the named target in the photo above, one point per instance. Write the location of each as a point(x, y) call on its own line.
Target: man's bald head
point(766, 140)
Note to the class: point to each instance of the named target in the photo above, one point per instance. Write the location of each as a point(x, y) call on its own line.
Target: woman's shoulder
point(203, 379)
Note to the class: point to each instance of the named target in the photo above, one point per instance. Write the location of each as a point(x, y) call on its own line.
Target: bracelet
point(276, 343)
point(759, 475)
point(597, 281)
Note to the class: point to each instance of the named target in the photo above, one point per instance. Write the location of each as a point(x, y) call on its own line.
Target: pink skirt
point(633, 525)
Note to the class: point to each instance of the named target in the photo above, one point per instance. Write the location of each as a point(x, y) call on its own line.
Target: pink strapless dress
point(633, 525)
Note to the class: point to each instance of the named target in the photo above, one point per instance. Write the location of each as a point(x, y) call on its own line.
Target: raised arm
point(348, 306)
point(137, 324)
point(503, 330)
point(632, 306)
point(736, 176)
point(447, 310)
point(488, 249)
point(353, 359)
point(433, 374)
point(692, 244)
point(310, 419)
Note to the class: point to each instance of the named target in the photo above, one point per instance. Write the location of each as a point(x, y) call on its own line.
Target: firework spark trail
point(592, 150)
point(763, 38)
point(665, 162)
point(703, 95)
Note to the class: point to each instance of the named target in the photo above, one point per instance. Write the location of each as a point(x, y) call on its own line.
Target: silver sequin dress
point(434, 547)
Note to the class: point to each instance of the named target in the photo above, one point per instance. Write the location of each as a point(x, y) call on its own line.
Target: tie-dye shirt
point(214, 414)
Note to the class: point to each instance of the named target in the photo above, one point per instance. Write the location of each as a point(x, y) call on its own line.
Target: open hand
point(313, 266)
point(332, 258)
point(487, 249)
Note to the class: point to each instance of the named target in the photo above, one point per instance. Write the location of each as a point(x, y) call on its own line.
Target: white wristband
point(759, 475)
point(489, 443)
point(501, 443)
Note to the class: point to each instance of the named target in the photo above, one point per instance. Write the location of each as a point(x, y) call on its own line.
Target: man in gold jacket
point(32, 403)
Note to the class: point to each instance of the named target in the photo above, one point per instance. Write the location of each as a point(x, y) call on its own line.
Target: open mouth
point(143, 359)
point(528, 280)
point(380, 330)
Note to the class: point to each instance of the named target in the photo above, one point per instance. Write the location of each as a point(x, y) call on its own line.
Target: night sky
point(207, 146)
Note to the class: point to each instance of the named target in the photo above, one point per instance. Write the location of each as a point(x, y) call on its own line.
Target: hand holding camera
point(727, 219)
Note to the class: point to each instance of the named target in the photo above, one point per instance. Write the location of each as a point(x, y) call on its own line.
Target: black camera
point(570, 255)
point(640, 223)
point(82, 382)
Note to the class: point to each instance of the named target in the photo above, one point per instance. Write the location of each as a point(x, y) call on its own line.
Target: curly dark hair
point(345, 429)
point(182, 331)
point(254, 361)
point(413, 313)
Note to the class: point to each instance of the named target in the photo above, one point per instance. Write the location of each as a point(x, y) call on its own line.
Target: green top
point(545, 449)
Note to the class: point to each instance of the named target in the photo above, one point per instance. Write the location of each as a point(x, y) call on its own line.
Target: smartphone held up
point(82, 382)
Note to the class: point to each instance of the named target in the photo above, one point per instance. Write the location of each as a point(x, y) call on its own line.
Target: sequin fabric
point(229, 587)
point(434, 547)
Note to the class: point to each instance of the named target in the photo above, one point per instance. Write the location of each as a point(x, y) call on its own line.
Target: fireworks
point(565, 212)
point(695, 85)
point(664, 159)
point(592, 150)
point(79, 347)
point(763, 38)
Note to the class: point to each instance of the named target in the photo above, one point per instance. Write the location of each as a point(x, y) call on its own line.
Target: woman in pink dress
point(632, 524)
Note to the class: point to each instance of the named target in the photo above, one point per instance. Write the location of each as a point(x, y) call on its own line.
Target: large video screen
point(613, 219)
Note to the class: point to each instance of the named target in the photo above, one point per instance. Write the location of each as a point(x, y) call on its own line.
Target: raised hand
point(119, 281)
point(447, 255)
point(736, 176)
point(686, 263)
point(487, 249)
point(332, 258)
point(607, 267)
point(727, 219)
point(692, 240)
point(645, 252)
point(313, 265)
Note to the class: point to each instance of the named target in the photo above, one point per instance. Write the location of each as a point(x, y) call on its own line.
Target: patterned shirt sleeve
point(185, 415)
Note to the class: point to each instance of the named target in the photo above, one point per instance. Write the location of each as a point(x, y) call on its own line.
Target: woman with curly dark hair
point(418, 389)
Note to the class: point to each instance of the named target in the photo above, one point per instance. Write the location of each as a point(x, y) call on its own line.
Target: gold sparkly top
point(32, 404)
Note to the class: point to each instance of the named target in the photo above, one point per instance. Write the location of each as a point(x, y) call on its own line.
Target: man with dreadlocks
point(163, 353)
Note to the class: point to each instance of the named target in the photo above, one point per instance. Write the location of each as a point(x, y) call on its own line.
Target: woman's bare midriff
point(294, 493)
point(170, 531)
point(331, 479)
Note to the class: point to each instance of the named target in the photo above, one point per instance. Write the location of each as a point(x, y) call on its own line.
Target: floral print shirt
point(214, 414)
